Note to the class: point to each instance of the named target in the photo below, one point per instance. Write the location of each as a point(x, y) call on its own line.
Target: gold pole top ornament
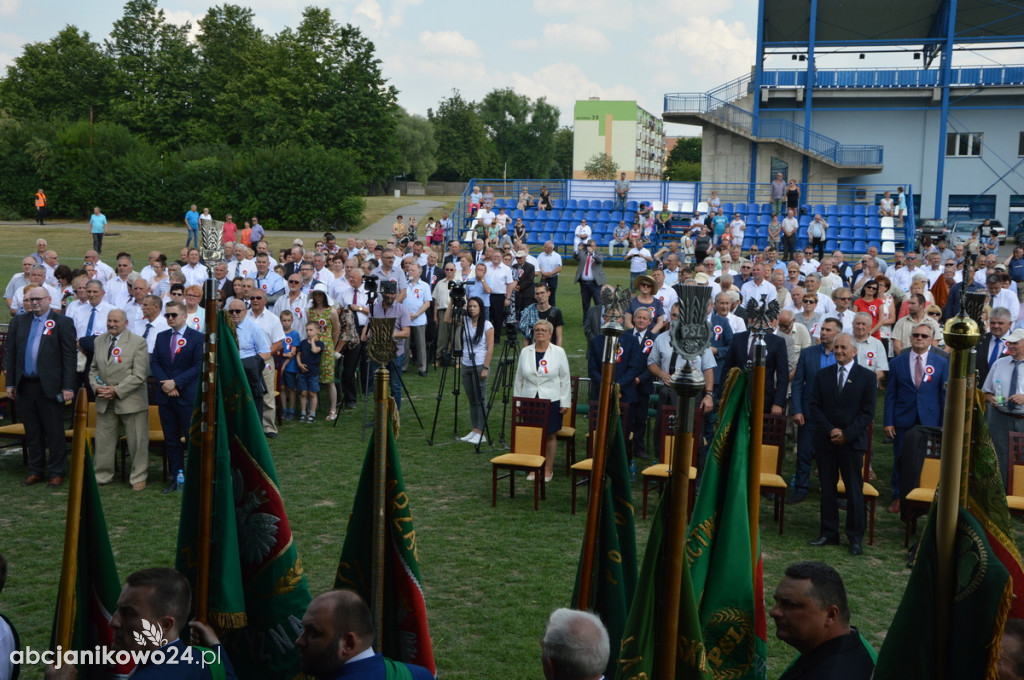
point(961, 332)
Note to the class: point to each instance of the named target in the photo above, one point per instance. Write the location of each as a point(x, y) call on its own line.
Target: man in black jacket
point(776, 377)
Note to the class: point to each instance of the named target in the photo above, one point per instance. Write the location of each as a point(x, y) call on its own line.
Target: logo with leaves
point(151, 632)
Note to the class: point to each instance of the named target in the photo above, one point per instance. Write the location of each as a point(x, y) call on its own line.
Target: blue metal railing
point(904, 78)
point(774, 128)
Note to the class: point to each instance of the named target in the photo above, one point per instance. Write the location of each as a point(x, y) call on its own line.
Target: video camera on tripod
point(457, 294)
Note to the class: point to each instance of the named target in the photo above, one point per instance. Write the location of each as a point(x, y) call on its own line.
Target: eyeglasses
point(838, 299)
point(256, 297)
point(295, 281)
point(920, 335)
point(874, 287)
point(236, 311)
point(814, 300)
point(171, 315)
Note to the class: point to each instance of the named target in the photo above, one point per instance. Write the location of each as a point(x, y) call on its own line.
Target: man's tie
point(918, 370)
point(753, 343)
point(33, 346)
point(110, 348)
point(174, 345)
point(1013, 379)
point(842, 378)
point(586, 268)
point(997, 345)
point(145, 335)
point(92, 320)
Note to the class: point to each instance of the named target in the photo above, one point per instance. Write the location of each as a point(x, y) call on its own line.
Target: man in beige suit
point(120, 367)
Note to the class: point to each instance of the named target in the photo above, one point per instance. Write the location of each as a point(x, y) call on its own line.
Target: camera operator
point(447, 292)
point(388, 308)
point(478, 339)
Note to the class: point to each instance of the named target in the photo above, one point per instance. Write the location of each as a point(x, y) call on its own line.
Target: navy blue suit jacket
point(373, 669)
point(184, 370)
point(721, 340)
point(851, 412)
point(629, 365)
point(907, 405)
point(807, 367)
point(182, 670)
point(776, 375)
point(646, 386)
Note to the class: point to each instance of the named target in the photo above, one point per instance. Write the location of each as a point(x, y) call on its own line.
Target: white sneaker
point(475, 438)
point(468, 437)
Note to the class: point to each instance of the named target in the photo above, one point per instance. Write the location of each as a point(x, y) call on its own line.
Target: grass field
point(491, 575)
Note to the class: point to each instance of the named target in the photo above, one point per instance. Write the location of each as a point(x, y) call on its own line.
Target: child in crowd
point(476, 199)
point(309, 372)
point(290, 365)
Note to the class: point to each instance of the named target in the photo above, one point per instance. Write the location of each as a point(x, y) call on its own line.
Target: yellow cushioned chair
point(583, 468)
point(920, 498)
point(656, 475)
point(1015, 475)
point(568, 432)
point(529, 416)
point(773, 446)
point(870, 492)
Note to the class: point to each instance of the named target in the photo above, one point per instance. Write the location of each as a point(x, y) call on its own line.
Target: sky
point(562, 50)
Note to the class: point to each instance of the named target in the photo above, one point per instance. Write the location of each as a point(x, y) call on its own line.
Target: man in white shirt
point(268, 281)
point(581, 234)
point(639, 259)
point(933, 268)
point(320, 271)
point(843, 298)
point(241, 266)
point(119, 287)
point(812, 286)
point(102, 270)
point(870, 351)
point(195, 273)
point(500, 278)
point(549, 264)
point(151, 322)
point(147, 271)
point(271, 325)
point(133, 307)
point(830, 281)
point(36, 275)
point(903, 276)
point(18, 281)
point(663, 291)
point(417, 301)
point(757, 286)
point(1001, 297)
point(724, 306)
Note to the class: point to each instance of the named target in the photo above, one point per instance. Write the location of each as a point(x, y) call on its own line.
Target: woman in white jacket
point(543, 373)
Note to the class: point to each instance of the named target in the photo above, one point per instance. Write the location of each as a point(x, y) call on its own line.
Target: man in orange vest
point(40, 207)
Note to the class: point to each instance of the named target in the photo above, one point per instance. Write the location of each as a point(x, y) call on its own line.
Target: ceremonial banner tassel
point(403, 633)
point(90, 586)
point(258, 591)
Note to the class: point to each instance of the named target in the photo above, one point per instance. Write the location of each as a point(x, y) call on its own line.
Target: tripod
point(503, 380)
point(451, 356)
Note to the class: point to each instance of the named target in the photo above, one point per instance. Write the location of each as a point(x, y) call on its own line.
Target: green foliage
point(523, 132)
point(601, 166)
point(683, 163)
point(563, 153)
point(463, 148)
point(417, 146)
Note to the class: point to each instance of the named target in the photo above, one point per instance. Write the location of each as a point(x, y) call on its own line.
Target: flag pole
point(72, 523)
point(689, 336)
point(207, 451)
point(382, 392)
point(761, 314)
point(960, 335)
point(612, 330)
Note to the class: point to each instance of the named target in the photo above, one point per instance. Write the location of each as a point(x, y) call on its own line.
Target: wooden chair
point(16, 430)
point(870, 492)
point(90, 425)
point(580, 472)
point(156, 436)
point(568, 432)
point(773, 446)
point(918, 501)
point(529, 417)
point(656, 475)
point(1015, 475)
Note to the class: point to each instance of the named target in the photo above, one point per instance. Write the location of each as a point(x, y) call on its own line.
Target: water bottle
point(180, 481)
point(632, 471)
point(999, 392)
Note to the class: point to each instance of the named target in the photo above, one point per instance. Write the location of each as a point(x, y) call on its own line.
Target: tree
point(563, 153)
point(523, 132)
point(683, 162)
point(418, 148)
point(155, 75)
point(463, 148)
point(601, 166)
point(64, 79)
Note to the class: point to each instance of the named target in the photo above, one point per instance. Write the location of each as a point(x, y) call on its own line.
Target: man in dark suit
point(589, 274)
point(841, 416)
point(453, 254)
point(526, 278)
point(176, 364)
point(644, 337)
point(776, 378)
point(812, 359)
point(630, 364)
point(993, 343)
point(40, 362)
point(914, 395)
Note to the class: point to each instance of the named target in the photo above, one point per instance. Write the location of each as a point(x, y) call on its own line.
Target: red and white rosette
point(871, 358)
point(116, 353)
point(298, 312)
point(618, 354)
point(648, 345)
point(718, 332)
point(181, 343)
point(195, 322)
point(929, 371)
point(288, 342)
point(543, 366)
point(323, 324)
point(48, 327)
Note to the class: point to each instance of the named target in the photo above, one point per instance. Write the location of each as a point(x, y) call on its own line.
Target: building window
point(963, 143)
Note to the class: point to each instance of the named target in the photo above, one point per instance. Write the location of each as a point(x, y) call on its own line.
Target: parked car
point(961, 231)
point(932, 228)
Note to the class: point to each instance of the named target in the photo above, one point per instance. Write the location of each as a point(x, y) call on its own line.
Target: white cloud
point(180, 17)
point(524, 44)
point(449, 44)
point(729, 57)
point(370, 11)
point(576, 37)
point(9, 7)
point(397, 13)
point(563, 83)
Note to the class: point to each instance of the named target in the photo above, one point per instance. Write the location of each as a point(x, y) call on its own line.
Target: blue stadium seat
point(860, 247)
point(761, 232)
point(832, 209)
point(762, 243)
point(570, 204)
point(845, 221)
point(860, 234)
point(846, 233)
point(741, 207)
point(727, 209)
point(563, 226)
point(558, 203)
point(801, 234)
point(845, 209)
point(632, 206)
point(605, 205)
point(543, 214)
point(517, 214)
point(764, 219)
point(615, 215)
point(846, 245)
point(561, 238)
point(766, 208)
point(858, 220)
point(578, 214)
point(591, 215)
point(801, 242)
point(747, 242)
point(530, 214)
point(604, 215)
point(831, 244)
point(500, 203)
point(875, 234)
point(554, 214)
point(628, 216)
point(873, 221)
point(819, 209)
point(805, 220)
point(583, 204)
point(860, 209)
point(807, 209)
point(534, 238)
point(600, 228)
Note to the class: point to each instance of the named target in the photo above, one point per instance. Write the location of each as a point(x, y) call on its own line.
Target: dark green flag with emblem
point(615, 563)
point(258, 590)
point(728, 587)
point(988, 585)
